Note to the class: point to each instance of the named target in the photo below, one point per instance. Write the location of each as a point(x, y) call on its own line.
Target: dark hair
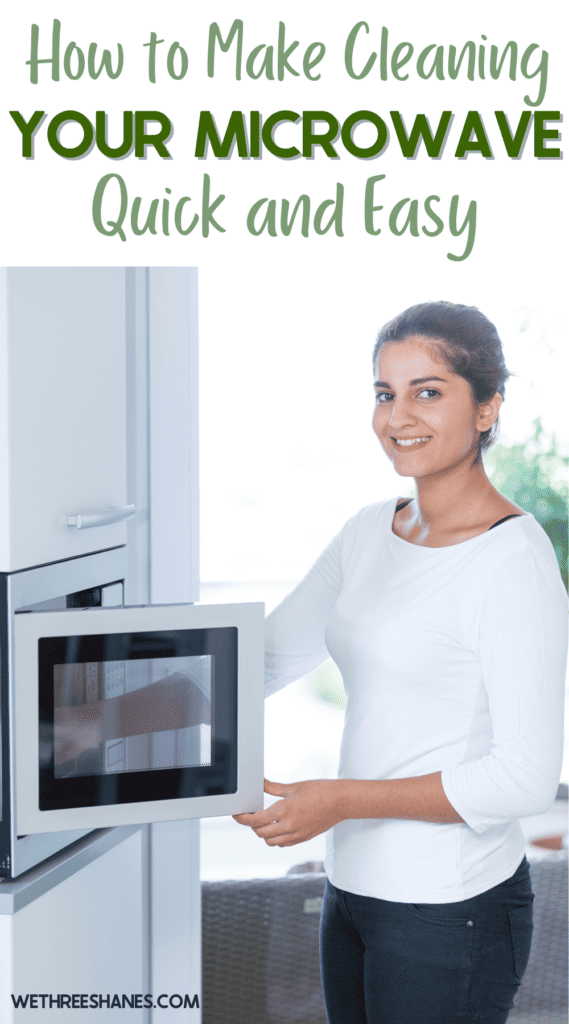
point(467, 341)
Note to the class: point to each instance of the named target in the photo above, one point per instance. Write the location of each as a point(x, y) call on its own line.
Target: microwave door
point(140, 714)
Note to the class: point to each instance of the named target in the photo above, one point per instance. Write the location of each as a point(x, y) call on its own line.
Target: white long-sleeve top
point(453, 660)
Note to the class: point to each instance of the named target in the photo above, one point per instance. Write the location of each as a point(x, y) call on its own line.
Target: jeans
point(426, 963)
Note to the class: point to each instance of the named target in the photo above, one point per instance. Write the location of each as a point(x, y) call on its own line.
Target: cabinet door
point(62, 411)
point(82, 938)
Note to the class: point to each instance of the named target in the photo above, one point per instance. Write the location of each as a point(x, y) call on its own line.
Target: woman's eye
point(383, 396)
point(429, 393)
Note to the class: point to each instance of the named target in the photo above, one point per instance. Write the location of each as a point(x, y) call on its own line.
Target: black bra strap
point(403, 503)
point(513, 515)
point(407, 501)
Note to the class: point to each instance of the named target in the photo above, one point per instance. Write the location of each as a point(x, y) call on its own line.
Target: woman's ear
point(488, 412)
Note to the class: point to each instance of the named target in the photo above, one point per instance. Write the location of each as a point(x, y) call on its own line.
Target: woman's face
point(425, 415)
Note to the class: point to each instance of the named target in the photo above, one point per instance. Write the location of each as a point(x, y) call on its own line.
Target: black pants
point(426, 963)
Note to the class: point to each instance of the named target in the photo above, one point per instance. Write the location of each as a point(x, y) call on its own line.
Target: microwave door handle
point(84, 520)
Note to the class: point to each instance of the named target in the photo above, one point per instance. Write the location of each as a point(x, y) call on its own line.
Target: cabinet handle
point(83, 520)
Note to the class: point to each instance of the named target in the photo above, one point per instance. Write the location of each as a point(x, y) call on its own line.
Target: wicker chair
point(260, 950)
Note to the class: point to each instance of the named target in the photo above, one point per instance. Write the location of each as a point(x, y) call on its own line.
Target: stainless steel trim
point(137, 584)
point(29, 587)
point(18, 892)
point(85, 520)
point(66, 577)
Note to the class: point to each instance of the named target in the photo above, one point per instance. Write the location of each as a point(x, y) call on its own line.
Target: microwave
point(120, 715)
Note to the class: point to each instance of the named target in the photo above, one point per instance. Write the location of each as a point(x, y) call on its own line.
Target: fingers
point(258, 818)
point(276, 788)
point(284, 823)
point(277, 833)
point(267, 827)
point(273, 789)
point(244, 819)
point(273, 830)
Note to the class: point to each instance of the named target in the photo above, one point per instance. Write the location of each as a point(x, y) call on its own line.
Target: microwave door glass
point(121, 716)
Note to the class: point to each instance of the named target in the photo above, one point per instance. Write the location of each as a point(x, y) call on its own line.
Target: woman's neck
point(456, 504)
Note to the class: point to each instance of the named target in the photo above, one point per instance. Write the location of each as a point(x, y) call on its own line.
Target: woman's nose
point(401, 413)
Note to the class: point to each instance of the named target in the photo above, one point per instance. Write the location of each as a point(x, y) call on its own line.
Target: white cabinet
point(62, 410)
point(82, 936)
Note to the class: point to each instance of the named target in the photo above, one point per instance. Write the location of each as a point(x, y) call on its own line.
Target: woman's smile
point(411, 441)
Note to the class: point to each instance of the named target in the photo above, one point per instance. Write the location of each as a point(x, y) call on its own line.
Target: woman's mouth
point(410, 442)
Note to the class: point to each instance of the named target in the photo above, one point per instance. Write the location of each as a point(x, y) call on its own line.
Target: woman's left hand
point(306, 810)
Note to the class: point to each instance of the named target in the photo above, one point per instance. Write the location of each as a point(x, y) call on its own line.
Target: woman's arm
point(418, 799)
point(294, 631)
point(309, 808)
point(523, 653)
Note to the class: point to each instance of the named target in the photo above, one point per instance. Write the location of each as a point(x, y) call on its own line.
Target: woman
point(447, 617)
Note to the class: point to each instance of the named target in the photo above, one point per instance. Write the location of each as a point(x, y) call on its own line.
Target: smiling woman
point(447, 617)
point(441, 382)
